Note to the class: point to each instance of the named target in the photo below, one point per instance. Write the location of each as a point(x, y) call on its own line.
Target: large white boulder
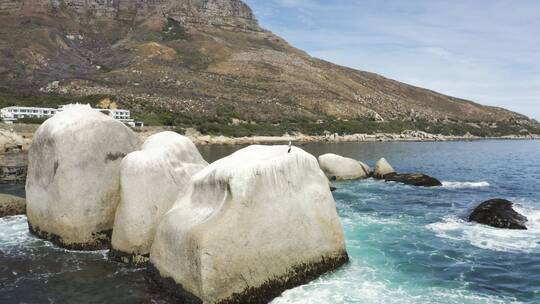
point(342, 168)
point(251, 225)
point(382, 168)
point(73, 182)
point(151, 181)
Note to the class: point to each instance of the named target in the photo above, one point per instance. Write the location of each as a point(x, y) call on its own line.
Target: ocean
point(406, 244)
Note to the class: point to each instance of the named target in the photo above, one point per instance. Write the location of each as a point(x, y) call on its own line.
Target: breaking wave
point(491, 238)
point(463, 185)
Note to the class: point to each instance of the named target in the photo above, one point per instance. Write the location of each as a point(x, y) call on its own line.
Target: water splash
point(465, 185)
point(486, 237)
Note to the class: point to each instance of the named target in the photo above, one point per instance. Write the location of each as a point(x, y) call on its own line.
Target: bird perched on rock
point(290, 147)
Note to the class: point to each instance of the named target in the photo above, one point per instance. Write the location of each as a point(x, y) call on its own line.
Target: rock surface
point(73, 182)
point(13, 168)
point(11, 205)
point(414, 179)
point(342, 168)
point(498, 213)
point(151, 180)
point(12, 142)
point(382, 168)
point(252, 225)
point(217, 12)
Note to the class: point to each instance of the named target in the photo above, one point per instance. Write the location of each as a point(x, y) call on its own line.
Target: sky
point(487, 51)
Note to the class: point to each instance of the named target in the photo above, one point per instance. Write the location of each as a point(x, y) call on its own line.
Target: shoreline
point(364, 138)
point(18, 137)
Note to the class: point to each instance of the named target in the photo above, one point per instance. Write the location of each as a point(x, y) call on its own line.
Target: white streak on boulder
point(337, 167)
point(252, 224)
point(151, 181)
point(73, 182)
point(382, 168)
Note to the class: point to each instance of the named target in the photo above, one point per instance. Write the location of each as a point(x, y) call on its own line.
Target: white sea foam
point(491, 238)
point(358, 284)
point(13, 231)
point(16, 239)
point(463, 185)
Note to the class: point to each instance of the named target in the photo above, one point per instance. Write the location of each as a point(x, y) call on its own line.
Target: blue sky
point(487, 51)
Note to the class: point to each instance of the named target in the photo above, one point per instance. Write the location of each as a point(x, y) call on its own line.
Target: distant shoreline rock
point(11, 142)
point(337, 167)
point(414, 179)
point(203, 139)
point(382, 169)
point(11, 205)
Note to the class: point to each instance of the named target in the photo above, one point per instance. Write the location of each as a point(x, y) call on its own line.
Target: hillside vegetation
point(207, 64)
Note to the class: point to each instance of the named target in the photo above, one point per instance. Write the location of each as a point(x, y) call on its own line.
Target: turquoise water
point(411, 245)
point(407, 245)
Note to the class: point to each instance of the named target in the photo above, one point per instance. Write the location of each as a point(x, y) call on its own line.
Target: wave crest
point(491, 238)
point(462, 185)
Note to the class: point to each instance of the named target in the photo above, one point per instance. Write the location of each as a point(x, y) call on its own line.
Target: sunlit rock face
point(337, 167)
point(252, 225)
point(151, 181)
point(73, 182)
point(382, 168)
point(215, 12)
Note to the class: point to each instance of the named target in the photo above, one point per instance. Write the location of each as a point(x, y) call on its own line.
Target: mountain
point(208, 64)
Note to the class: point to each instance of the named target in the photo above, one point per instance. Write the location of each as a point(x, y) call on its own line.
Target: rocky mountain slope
point(208, 64)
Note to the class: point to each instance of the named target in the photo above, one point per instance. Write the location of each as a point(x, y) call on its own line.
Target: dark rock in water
point(498, 213)
point(415, 179)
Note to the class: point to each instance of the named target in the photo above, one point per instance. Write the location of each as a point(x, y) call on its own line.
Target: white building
point(7, 117)
point(121, 115)
point(11, 114)
point(29, 112)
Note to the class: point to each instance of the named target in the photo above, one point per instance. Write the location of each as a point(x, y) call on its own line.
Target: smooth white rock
point(247, 219)
point(151, 181)
point(382, 168)
point(73, 182)
point(342, 168)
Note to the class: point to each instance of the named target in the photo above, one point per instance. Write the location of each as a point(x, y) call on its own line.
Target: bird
point(290, 147)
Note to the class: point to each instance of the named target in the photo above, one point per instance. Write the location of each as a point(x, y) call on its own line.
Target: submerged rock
point(11, 205)
point(415, 179)
point(73, 182)
point(252, 224)
point(151, 181)
point(342, 168)
point(382, 168)
point(498, 213)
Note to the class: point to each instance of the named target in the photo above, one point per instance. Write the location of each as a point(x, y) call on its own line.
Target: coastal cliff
point(215, 12)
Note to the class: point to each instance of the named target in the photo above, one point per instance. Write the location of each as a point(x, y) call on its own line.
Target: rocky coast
point(17, 137)
point(406, 136)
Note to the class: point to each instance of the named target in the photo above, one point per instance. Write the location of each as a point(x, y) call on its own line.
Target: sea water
point(406, 244)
